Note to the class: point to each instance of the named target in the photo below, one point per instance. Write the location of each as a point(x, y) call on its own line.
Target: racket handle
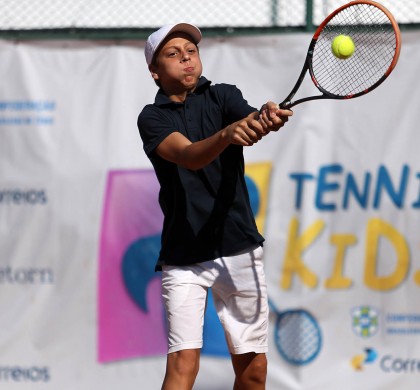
point(285, 105)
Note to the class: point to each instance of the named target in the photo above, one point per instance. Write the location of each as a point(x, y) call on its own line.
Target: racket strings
point(298, 336)
point(375, 41)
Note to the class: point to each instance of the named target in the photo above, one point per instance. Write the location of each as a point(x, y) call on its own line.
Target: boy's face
point(177, 66)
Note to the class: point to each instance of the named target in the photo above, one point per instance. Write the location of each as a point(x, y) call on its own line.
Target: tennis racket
point(377, 41)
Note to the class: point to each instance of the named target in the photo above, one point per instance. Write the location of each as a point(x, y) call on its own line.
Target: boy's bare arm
point(245, 132)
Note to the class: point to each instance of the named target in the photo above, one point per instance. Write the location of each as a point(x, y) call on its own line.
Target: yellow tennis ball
point(342, 47)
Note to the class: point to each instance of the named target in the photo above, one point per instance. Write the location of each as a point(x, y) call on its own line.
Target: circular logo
point(365, 321)
point(298, 336)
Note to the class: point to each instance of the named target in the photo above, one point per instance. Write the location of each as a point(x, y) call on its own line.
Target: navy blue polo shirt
point(207, 213)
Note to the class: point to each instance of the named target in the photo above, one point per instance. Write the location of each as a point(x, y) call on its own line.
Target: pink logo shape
point(131, 212)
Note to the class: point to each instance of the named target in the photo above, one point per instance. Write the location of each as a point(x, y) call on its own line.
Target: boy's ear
point(153, 72)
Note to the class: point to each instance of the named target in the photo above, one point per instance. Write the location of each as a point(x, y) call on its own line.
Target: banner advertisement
point(336, 194)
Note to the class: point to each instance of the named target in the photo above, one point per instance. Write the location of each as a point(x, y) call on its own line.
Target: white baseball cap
point(155, 39)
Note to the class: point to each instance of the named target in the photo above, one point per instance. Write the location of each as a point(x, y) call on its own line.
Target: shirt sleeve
point(154, 126)
point(235, 105)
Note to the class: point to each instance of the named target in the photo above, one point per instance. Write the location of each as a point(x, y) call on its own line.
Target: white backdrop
point(336, 193)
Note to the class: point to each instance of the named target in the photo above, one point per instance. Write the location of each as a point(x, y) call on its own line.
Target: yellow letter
point(337, 280)
point(417, 278)
point(375, 230)
point(295, 246)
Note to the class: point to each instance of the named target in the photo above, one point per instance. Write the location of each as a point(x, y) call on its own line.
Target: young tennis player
point(194, 135)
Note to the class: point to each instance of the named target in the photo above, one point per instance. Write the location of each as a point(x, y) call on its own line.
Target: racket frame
point(307, 66)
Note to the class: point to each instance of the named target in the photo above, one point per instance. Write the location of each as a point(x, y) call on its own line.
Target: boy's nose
point(185, 57)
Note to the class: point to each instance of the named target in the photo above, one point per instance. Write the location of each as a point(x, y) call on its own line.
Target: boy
point(194, 134)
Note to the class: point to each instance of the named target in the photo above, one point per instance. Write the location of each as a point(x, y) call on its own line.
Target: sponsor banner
point(336, 193)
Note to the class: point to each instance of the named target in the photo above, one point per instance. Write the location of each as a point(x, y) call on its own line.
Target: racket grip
point(285, 105)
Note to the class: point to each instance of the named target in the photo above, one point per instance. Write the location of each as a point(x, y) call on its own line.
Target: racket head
point(377, 40)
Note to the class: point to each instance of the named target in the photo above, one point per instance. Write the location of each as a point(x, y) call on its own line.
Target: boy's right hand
point(245, 132)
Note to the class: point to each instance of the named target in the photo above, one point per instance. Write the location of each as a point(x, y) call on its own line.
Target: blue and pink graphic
point(131, 319)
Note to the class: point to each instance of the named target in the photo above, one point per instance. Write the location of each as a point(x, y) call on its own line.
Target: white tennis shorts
point(240, 297)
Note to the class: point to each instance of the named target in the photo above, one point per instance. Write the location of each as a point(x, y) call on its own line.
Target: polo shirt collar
point(163, 100)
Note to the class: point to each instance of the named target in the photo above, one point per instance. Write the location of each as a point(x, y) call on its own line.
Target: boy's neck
point(178, 97)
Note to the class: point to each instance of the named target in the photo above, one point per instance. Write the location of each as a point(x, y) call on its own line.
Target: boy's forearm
point(179, 150)
point(199, 154)
point(244, 132)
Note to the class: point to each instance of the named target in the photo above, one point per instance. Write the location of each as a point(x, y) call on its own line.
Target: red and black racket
point(377, 41)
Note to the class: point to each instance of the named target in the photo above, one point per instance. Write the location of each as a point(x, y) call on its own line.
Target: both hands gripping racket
point(377, 41)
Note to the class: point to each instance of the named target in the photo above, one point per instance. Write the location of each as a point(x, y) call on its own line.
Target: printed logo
point(365, 321)
point(130, 310)
point(257, 177)
point(297, 334)
point(24, 374)
point(27, 112)
point(367, 357)
point(9, 275)
point(400, 365)
point(23, 197)
point(131, 320)
point(402, 324)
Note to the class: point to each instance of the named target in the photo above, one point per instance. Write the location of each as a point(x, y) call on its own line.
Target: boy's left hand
point(272, 118)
